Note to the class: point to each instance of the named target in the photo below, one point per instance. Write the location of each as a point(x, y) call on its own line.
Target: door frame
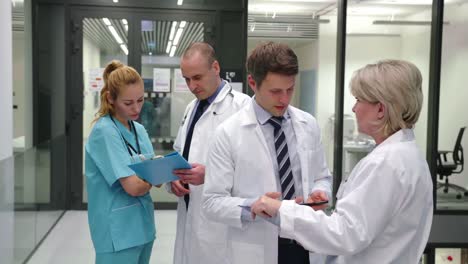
point(74, 92)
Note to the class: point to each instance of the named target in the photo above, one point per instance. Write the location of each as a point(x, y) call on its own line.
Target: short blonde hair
point(397, 85)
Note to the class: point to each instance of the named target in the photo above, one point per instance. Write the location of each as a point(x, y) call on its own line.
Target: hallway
point(70, 241)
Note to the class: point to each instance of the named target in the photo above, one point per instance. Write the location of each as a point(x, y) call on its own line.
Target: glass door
point(104, 39)
point(166, 93)
point(152, 43)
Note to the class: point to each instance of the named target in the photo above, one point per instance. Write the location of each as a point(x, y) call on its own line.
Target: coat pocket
point(131, 226)
point(242, 253)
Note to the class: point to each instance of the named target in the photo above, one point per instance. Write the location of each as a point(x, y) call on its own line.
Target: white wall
point(18, 83)
point(307, 55)
point(91, 60)
point(360, 50)
point(25, 163)
point(22, 80)
point(6, 136)
point(454, 91)
point(410, 43)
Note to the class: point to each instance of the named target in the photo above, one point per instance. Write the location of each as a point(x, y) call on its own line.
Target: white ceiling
point(301, 19)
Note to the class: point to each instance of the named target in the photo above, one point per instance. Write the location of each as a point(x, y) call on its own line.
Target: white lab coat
point(240, 167)
point(383, 213)
point(197, 239)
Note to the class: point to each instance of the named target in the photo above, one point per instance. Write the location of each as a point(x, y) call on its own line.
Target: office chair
point(455, 166)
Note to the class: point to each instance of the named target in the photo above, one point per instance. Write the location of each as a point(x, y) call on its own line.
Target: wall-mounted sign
point(234, 77)
point(161, 80)
point(179, 82)
point(95, 79)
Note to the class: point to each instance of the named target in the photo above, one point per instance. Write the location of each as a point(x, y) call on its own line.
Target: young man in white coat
point(197, 239)
point(268, 146)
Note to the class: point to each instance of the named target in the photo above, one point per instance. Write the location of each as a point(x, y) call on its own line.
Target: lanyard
point(129, 146)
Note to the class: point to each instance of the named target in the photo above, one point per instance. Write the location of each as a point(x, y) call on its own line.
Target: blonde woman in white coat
point(199, 240)
point(384, 208)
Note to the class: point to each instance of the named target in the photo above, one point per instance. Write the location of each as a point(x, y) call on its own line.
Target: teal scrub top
point(117, 220)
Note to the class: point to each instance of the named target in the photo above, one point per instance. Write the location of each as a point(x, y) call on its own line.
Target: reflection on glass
point(452, 179)
point(32, 188)
point(104, 39)
point(378, 30)
point(32, 164)
point(166, 93)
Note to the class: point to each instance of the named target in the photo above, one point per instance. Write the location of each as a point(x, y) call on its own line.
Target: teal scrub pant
point(135, 255)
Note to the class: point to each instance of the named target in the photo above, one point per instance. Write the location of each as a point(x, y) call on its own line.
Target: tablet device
point(314, 203)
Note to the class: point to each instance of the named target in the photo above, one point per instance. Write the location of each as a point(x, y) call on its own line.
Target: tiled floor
point(70, 242)
point(30, 229)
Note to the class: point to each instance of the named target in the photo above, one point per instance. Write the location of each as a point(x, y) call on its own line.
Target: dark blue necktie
point(282, 156)
point(202, 105)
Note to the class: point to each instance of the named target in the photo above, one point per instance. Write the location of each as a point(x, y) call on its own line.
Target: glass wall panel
point(104, 39)
point(32, 188)
point(166, 93)
point(309, 28)
point(378, 30)
point(32, 163)
point(452, 180)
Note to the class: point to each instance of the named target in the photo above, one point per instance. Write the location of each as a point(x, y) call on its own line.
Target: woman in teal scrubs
point(120, 208)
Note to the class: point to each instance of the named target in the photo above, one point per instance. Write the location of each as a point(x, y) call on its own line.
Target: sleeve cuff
point(167, 186)
point(286, 213)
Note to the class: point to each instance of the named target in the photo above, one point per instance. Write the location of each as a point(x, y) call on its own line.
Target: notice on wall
point(179, 82)
point(161, 80)
point(237, 86)
point(95, 79)
point(234, 77)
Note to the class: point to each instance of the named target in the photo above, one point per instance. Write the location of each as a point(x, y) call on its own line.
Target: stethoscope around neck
point(130, 148)
point(214, 112)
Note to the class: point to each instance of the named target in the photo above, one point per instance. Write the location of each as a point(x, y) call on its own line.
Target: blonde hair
point(116, 77)
point(397, 85)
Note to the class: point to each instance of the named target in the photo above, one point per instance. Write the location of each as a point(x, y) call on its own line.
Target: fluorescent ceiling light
point(169, 44)
point(172, 51)
point(115, 1)
point(173, 28)
point(124, 48)
point(125, 23)
point(106, 21)
point(115, 34)
point(182, 24)
point(374, 10)
point(179, 2)
point(178, 35)
point(403, 2)
point(404, 22)
point(306, 1)
point(280, 8)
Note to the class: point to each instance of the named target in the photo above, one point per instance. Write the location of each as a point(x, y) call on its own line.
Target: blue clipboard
point(160, 170)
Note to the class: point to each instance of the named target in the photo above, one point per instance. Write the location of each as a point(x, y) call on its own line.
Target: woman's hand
point(267, 205)
point(318, 196)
